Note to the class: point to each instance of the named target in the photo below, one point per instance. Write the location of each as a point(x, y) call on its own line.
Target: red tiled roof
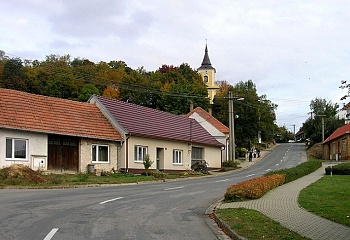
point(30, 112)
point(338, 133)
point(209, 118)
point(147, 122)
point(346, 106)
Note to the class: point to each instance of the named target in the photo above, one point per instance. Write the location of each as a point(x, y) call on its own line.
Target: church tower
point(207, 73)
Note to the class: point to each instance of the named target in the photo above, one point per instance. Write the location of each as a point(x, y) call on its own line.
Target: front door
point(160, 159)
point(63, 153)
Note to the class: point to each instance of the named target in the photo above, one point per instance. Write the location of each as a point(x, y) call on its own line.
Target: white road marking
point(111, 200)
point(276, 164)
point(51, 233)
point(224, 180)
point(267, 170)
point(250, 175)
point(173, 188)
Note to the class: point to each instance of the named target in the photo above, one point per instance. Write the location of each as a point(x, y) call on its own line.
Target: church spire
point(206, 60)
point(206, 64)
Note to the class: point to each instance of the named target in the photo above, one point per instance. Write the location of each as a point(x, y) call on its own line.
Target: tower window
point(206, 79)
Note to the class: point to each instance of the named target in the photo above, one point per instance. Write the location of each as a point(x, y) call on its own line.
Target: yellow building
point(207, 73)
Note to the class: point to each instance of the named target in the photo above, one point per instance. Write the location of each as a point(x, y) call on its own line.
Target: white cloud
point(294, 51)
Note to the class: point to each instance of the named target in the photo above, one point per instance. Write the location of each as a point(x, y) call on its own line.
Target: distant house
point(337, 145)
point(173, 142)
point(344, 113)
point(55, 134)
point(300, 135)
point(217, 129)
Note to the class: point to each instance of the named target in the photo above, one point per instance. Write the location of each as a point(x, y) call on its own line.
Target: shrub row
point(339, 169)
point(254, 188)
point(299, 171)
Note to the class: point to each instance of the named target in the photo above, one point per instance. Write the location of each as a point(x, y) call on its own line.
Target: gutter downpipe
point(127, 153)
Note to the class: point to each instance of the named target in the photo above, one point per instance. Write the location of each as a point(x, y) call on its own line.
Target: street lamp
point(232, 144)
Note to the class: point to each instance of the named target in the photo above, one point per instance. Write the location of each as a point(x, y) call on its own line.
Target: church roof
point(206, 61)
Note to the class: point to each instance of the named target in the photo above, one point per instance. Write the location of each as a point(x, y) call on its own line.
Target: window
point(177, 156)
point(197, 153)
point(205, 79)
point(16, 149)
point(140, 153)
point(344, 145)
point(100, 153)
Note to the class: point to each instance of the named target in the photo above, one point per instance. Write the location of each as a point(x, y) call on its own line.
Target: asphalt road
point(162, 210)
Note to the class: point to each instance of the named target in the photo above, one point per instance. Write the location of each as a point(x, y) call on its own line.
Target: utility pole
point(232, 144)
point(294, 133)
point(232, 147)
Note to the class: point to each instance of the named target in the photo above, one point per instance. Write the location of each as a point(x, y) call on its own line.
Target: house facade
point(174, 143)
point(55, 135)
point(215, 128)
point(337, 145)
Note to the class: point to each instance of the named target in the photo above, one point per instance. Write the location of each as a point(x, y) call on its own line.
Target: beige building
point(173, 143)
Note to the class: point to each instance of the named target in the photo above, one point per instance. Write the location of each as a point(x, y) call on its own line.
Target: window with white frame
point(100, 153)
point(140, 153)
point(177, 156)
point(197, 153)
point(16, 149)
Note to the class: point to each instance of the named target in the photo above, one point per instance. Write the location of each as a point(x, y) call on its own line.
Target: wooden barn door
point(63, 153)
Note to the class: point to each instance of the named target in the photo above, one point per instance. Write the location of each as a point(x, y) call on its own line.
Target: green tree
point(321, 108)
point(87, 91)
point(253, 114)
point(283, 135)
point(13, 75)
point(147, 163)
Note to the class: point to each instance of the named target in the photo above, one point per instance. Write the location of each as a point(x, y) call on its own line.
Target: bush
point(299, 171)
point(241, 152)
point(254, 188)
point(200, 166)
point(230, 164)
point(339, 169)
point(158, 174)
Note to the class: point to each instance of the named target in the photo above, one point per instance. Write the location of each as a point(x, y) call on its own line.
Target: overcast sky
point(294, 51)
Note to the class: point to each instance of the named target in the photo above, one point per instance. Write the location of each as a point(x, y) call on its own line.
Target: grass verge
point(251, 224)
point(329, 197)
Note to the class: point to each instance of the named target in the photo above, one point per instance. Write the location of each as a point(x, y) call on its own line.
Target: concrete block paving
point(281, 205)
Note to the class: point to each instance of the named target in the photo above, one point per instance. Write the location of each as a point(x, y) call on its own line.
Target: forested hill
point(169, 88)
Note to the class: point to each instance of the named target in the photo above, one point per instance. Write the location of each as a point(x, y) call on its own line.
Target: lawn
point(329, 197)
point(251, 224)
point(22, 176)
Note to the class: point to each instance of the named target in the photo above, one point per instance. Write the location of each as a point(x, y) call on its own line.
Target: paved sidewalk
point(281, 205)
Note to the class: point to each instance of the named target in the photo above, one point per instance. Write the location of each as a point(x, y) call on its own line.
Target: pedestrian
point(250, 156)
point(258, 151)
point(254, 153)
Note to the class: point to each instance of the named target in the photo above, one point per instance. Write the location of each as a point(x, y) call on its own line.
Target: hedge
point(339, 169)
point(254, 188)
point(298, 171)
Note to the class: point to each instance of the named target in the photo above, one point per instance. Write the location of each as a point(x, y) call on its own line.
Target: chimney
point(191, 106)
point(210, 111)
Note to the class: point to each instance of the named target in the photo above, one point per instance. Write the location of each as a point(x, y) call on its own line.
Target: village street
point(161, 210)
